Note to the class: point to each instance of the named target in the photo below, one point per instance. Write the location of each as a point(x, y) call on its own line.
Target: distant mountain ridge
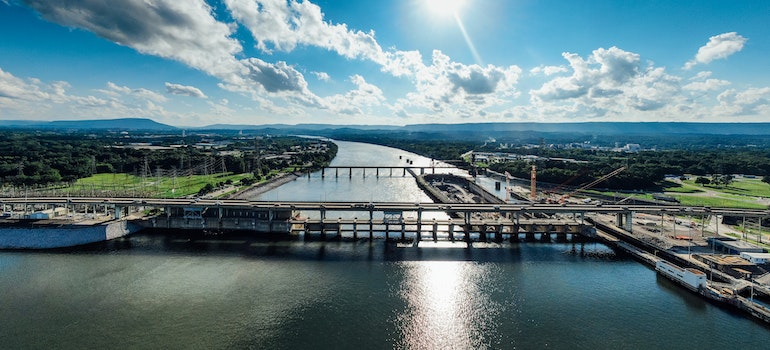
point(608, 128)
point(591, 128)
point(297, 126)
point(99, 124)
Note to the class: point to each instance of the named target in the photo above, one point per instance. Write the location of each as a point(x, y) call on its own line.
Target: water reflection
point(448, 305)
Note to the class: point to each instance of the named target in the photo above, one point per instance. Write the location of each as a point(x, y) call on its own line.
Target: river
point(181, 291)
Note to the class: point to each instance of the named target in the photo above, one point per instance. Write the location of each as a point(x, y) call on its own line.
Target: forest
point(40, 158)
point(645, 170)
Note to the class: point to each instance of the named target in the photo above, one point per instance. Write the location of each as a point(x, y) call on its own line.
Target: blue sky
point(196, 62)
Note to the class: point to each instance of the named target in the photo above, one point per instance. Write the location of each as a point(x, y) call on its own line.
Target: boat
point(692, 279)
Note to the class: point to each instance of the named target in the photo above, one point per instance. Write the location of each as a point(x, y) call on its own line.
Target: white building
point(757, 258)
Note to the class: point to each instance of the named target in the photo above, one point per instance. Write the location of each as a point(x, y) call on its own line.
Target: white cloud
point(221, 109)
point(184, 31)
point(115, 91)
point(706, 85)
point(354, 102)
point(548, 70)
point(750, 102)
point(33, 99)
point(719, 47)
point(322, 76)
point(275, 77)
point(184, 90)
point(464, 90)
point(282, 25)
point(609, 83)
point(604, 71)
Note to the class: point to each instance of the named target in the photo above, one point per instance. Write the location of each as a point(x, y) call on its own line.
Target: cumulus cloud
point(282, 25)
point(752, 101)
point(719, 47)
point(706, 85)
point(184, 31)
point(30, 94)
point(466, 90)
point(356, 101)
point(34, 99)
point(184, 90)
point(275, 77)
point(609, 82)
point(547, 70)
point(322, 76)
point(605, 70)
point(114, 90)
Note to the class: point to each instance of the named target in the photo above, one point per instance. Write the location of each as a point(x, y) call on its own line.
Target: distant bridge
point(387, 169)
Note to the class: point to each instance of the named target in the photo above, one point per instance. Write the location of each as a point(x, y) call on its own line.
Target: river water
point(180, 291)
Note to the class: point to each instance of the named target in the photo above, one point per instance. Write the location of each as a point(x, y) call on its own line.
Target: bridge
point(357, 217)
point(376, 169)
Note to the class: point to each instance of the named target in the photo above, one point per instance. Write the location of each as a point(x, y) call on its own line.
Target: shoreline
point(261, 188)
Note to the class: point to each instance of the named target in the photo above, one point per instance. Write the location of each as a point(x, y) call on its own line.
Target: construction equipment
point(508, 187)
point(592, 184)
point(561, 186)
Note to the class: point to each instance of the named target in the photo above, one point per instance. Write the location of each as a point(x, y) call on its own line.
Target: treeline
point(644, 170)
point(34, 158)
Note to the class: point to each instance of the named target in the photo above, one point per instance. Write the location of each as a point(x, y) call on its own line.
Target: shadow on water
point(695, 304)
point(283, 247)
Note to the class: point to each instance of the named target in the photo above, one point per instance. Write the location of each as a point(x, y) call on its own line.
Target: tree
point(206, 189)
point(702, 180)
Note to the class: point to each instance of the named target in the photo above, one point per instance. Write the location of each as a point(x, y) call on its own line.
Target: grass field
point(742, 193)
point(120, 185)
point(718, 202)
point(739, 186)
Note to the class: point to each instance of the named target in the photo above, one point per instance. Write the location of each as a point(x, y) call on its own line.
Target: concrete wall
point(54, 236)
point(488, 197)
point(214, 224)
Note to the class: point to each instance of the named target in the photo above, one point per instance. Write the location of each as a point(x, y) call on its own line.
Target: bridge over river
point(417, 219)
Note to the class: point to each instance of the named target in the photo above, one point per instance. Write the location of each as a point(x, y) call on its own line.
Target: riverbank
point(263, 187)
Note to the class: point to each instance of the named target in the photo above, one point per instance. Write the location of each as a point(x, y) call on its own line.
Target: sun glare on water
point(444, 8)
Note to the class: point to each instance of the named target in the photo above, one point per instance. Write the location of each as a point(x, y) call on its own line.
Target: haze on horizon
point(196, 62)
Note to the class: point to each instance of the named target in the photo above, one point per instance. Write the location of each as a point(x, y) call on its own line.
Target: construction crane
point(561, 186)
point(592, 184)
point(533, 184)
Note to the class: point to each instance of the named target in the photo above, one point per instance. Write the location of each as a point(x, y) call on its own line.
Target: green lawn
point(125, 185)
point(718, 202)
point(740, 186)
point(742, 193)
point(686, 187)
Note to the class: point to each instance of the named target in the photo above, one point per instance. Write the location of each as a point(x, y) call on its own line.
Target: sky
point(397, 62)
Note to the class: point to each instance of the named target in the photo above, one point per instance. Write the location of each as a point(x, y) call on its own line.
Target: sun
point(444, 8)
